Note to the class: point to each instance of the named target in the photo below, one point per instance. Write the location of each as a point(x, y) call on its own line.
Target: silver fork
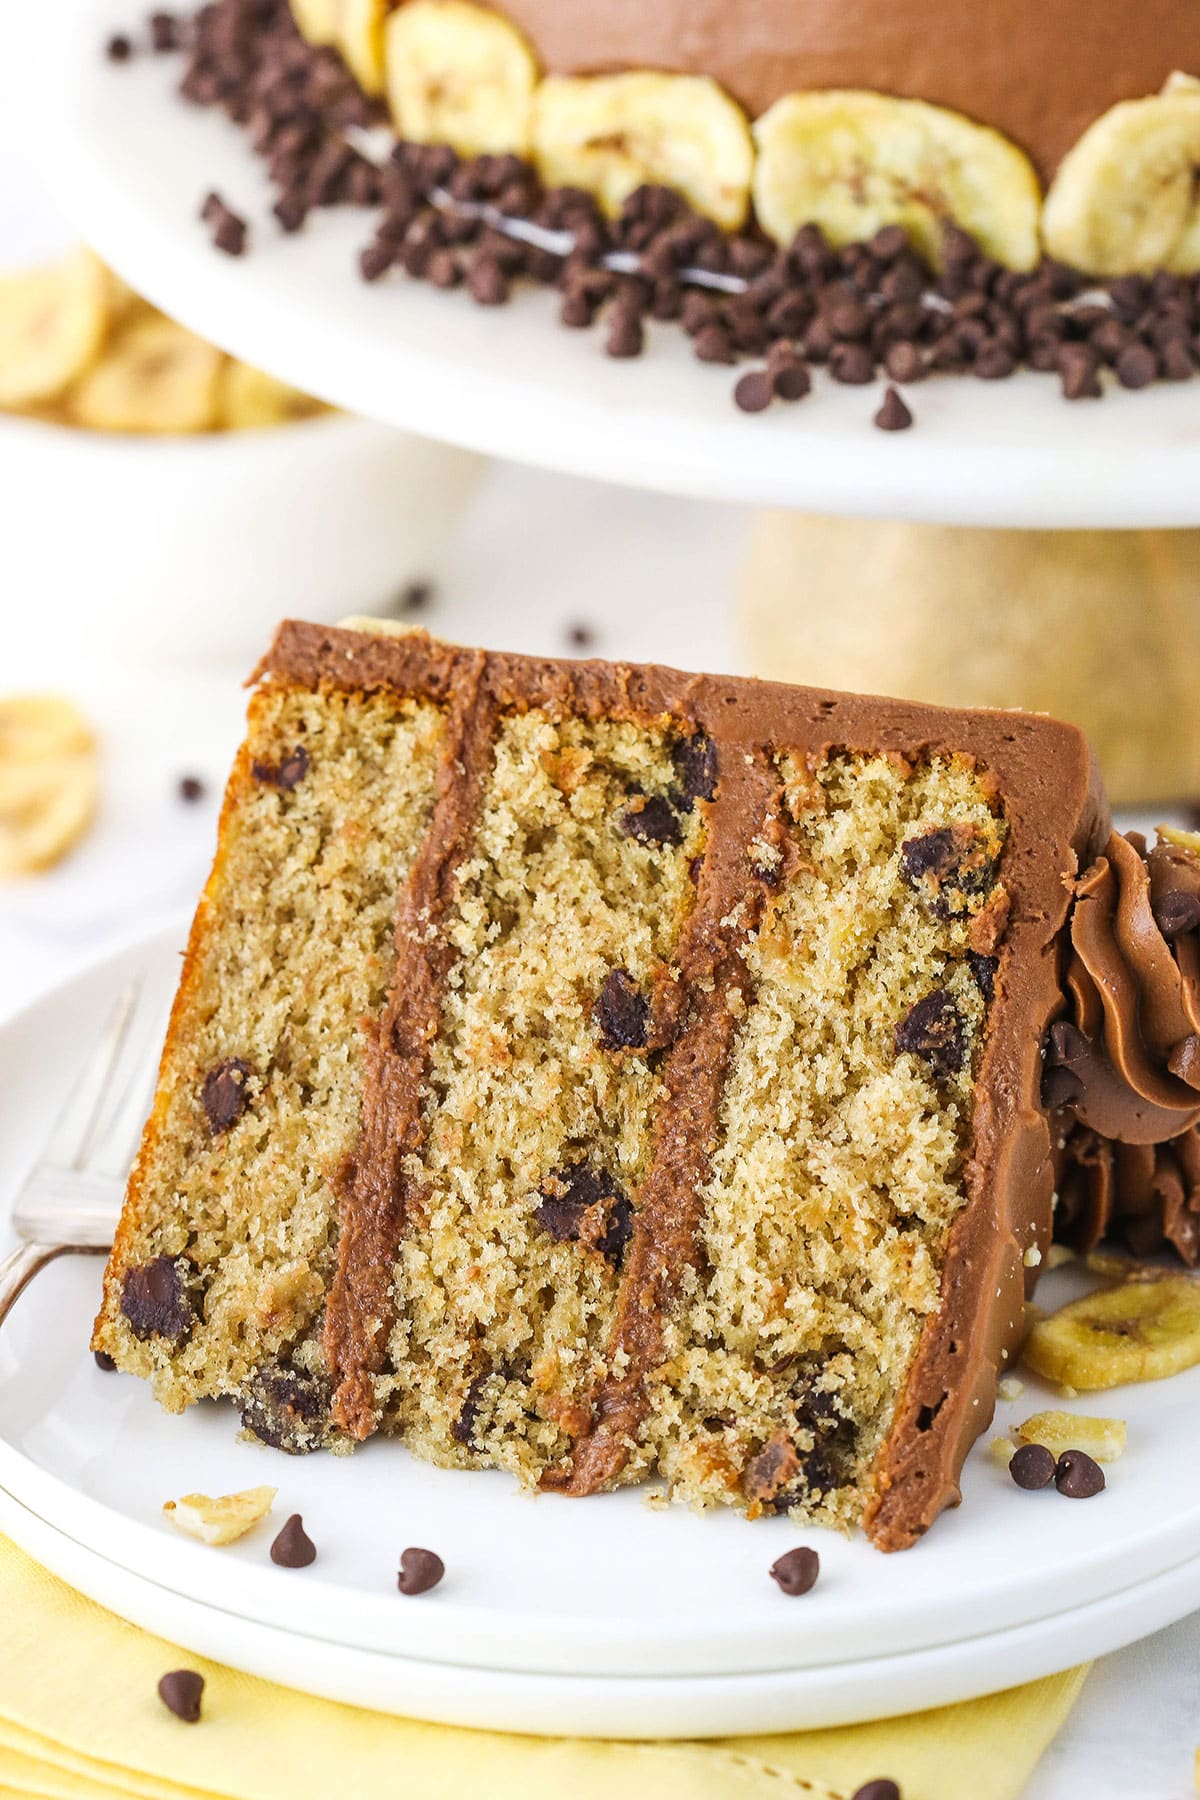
point(71, 1199)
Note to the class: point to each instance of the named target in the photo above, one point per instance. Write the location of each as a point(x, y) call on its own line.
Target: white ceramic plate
point(132, 163)
point(609, 1589)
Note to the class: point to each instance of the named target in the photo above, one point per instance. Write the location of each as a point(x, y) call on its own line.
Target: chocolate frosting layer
point(1143, 1196)
point(1125, 1060)
point(1045, 781)
point(1039, 73)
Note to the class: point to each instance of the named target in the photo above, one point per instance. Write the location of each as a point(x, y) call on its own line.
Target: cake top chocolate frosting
point(1046, 784)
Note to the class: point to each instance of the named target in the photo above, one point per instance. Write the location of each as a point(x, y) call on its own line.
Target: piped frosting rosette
point(1123, 1063)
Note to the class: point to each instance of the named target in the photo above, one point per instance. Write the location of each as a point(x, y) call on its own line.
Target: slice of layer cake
point(599, 1072)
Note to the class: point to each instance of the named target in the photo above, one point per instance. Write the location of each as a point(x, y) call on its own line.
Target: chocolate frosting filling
point(1043, 777)
point(1125, 1060)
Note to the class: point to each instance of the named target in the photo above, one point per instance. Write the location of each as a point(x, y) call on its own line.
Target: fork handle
point(17, 1270)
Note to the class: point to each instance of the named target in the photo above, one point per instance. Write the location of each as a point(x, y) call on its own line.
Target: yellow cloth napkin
point(80, 1719)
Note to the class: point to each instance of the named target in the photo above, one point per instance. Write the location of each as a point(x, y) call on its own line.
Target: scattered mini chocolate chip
point(415, 596)
point(487, 283)
point(651, 819)
point(852, 364)
point(1176, 912)
point(754, 392)
point(580, 636)
point(164, 32)
point(284, 775)
point(1078, 1476)
point(104, 1361)
point(119, 48)
point(1077, 366)
point(229, 229)
point(191, 789)
point(796, 1571)
point(791, 381)
point(882, 1787)
point(420, 1570)
point(904, 362)
point(293, 1548)
point(181, 1692)
point(893, 415)
point(1136, 366)
point(622, 1012)
point(626, 338)
point(223, 1096)
point(935, 1031)
point(1032, 1466)
point(376, 258)
point(154, 1301)
point(712, 345)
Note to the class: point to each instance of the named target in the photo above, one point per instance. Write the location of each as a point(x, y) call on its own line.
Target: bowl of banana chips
point(165, 499)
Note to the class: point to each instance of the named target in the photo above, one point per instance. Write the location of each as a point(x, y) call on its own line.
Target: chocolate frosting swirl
point(1145, 1196)
point(1125, 1059)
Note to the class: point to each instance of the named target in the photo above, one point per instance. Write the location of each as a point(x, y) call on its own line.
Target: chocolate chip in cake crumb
point(796, 1571)
point(420, 1570)
point(293, 1548)
point(104, 1361)
point(772, 1471)
point(1077, 1475)
point(584, 1204)
point(1176, 912)
point(463, 1428)
point(695, 760)
point(622, 1013)
point(983, 969)
point(155, 1303)
point(951, 865)
point(224, 1096)
point(181, 1692)
point(616, 1220)
point(284, 775)
point(650, 819)
point(285, 1408)
point(1032, 1466)
point(935, 1031)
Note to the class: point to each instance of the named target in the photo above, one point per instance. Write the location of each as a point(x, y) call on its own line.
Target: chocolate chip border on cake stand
point(133, 166)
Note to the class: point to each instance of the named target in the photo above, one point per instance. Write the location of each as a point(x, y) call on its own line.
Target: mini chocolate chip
point(792, 381)
point(983, 968)
point(191, 789)
point(893, 415)
point(568, 1193)
point(904, 362)
point(882, 1787)
point(104, 1361)
point(934, 1030)
point(626, 337)
point(420, 1570)
point(1032, 1466)
point(994, 362)
point(155, 1303)
point(285, 1408)
point(181, 1692)
point(164, 31)
point(223, 1096)
point(853, 364)
point(414, 597)
point(285, 775)
point(1136, 366)
point(1176, 912)
point(650, 819)
point(769, 1474)
point(796, 1570)
point(580, 636)
point(119, 48)
point(695, 760)
point(230, 235)
point(754, 391)
point(949, 865)
point(618, 1229)
point(293, 1548)
point(1060, 1087)
point(622, 1013)
point(1077, 1476)
point(712, 345)
point(1077, 365)
point(487, 283)
point(376, 258)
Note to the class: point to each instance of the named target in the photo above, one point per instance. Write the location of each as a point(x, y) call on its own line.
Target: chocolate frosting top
point(1045, 781)
point(1125, 1060)
point(1040, 73)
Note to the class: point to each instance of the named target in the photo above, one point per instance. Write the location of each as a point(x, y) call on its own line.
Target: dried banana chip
point(1124, 199)
point(52, 326)
point(250, 399)
point(611, 134)
point(458, 74)
point(852, 161)
point(1103, 1439)
point(155, 377)
point(49, 782)
point(1139, 1331)
point(220, 1519)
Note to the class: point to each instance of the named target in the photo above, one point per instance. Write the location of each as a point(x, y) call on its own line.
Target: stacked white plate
point(608, 1617)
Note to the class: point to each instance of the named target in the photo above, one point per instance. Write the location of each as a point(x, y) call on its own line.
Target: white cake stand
point(132, 163)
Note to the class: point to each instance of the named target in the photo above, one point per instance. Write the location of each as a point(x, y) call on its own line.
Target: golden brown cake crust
point(1040, 74)
point(1048, 788)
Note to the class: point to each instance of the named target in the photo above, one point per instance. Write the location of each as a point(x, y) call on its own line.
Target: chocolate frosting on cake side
point(1048, 787)
point(1039, 73)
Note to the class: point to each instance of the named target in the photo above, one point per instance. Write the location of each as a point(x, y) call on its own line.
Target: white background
point(538, 553)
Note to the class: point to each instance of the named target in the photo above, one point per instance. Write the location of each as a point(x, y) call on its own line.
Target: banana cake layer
point(601, 1072)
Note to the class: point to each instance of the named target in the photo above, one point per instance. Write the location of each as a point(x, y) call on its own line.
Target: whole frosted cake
point(597, 1072)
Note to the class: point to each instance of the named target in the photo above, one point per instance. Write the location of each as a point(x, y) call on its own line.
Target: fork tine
point(69, 1140)
point(114, 1147)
